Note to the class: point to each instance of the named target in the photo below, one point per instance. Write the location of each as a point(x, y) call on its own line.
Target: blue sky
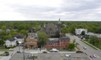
point(70, 10)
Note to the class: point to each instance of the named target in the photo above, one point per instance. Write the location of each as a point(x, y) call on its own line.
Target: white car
point(54, 50)
point(67, 55)
point(84, 48)
point(95, 56)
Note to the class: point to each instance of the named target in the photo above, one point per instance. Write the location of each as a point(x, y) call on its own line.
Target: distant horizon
point(57, 20)
point(51, 20)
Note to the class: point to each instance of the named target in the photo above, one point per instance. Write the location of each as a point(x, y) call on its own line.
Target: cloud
point(80, 5)
point(50, 10)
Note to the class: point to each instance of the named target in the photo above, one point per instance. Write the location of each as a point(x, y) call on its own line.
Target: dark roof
point(53, 41)
point(60, 39)
point(51, 27)
point(11, 39)
point(64, 38)
point(31, 30)
point(19, 36)
point(15, 27)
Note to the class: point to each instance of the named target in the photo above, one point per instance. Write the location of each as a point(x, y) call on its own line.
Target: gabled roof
point(64, 38)
point(56, 40)
point(11, 39)
point(31, 30)
point(19, 36)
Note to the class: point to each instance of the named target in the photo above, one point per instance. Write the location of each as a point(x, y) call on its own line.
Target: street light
point(24, 49)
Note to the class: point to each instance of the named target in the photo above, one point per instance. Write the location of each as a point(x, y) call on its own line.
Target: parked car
point(5, 54)
point(91, 56)
point(45, 51)
point(18, 52)
point(79, 51)
point(94, 56)
point(54, 50)
point(67, 55)
point(84, 48)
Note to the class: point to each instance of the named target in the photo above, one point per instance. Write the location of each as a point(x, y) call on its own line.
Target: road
point(11, 54)
point(89, 50)
point(51, 56)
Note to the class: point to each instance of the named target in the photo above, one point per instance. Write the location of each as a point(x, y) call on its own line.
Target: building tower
point(59, 27)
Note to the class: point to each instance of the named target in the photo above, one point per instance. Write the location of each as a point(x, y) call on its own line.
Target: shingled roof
point(55, 40)
point(31, 30)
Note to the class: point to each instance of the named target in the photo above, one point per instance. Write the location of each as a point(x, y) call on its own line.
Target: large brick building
point(62, 42)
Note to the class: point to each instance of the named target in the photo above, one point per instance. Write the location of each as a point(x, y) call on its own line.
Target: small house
point(10, 42)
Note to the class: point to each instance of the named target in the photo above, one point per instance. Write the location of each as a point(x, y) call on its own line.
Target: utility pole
point(24, 49)
point(23, 54)
point(59, 27)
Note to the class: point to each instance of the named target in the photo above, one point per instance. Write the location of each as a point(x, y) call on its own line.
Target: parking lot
point(51, 56)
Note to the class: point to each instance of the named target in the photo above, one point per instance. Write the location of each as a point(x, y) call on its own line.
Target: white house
point(80, 30)
point(10, 42)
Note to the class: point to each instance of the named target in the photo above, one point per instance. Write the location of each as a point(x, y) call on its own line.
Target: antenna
point(59, 21)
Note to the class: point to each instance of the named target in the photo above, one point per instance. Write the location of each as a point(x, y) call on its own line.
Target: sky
point(66, 10)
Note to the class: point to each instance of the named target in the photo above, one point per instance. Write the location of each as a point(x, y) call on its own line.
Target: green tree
point(3, 33)
point(13, 32)
point(94, 40)
point(24, 32)
point(71, 46)
point(3, 27)
point(7, 36)
point(83, 33)
point(2, 42)
point(64, 30)
point(42, 38)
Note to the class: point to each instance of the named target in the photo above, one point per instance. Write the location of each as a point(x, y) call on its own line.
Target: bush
point(6, 53)
point(71, 46)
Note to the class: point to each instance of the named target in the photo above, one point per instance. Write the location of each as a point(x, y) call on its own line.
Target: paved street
point(57, 56)
point(11, 54)
point(89, 50)
point(51, 56)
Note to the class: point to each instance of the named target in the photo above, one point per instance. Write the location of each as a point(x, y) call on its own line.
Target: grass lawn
point(90, 45)
point(3, 48)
